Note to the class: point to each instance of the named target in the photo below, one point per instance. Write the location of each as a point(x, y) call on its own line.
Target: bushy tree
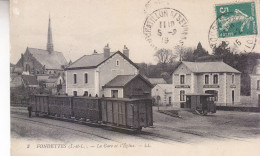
point(200, 51)
point(222, 49)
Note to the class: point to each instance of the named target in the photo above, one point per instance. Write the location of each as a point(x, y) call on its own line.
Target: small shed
point(128, 86)
point(162, 93)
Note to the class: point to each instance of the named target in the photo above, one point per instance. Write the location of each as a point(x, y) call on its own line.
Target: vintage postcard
point(124, 77)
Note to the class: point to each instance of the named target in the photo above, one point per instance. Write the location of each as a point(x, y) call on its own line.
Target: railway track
point(63, 127)
point(146, 136)
point(155, 136)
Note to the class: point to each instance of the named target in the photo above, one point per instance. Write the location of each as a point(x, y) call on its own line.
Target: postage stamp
point(237, 19)
point(237, 44)
point(165, 28)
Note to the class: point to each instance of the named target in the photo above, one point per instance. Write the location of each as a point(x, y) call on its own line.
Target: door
point(114, 93)
point(188, 101)
point(233, 96)
point(258, 100)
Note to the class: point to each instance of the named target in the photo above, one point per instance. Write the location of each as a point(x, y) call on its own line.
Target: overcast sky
point(80, 26)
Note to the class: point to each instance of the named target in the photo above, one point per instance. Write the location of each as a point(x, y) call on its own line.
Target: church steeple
point(49, 43)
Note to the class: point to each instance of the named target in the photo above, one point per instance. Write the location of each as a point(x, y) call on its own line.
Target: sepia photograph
point(124, 77)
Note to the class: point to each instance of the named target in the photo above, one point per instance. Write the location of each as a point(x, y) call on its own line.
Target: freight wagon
point(201, 103)
point(121, 113)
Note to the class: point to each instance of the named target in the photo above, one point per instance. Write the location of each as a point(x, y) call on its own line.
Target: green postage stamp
point(238, 19)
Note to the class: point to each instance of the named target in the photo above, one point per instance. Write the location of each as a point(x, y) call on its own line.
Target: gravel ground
point(188, 130)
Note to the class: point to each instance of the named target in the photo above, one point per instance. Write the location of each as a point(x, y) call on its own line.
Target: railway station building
point(215, 78)
point(90, 73)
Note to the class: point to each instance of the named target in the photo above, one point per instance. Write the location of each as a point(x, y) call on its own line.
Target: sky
point(80, 26)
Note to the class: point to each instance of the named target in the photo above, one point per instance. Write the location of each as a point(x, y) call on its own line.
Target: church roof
point(209, 67)
point(94, 60)
point(53, 60)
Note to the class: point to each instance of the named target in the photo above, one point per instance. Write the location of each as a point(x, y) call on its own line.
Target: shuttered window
point(182, 79)
point(206, 79)
point(182, 95)
point(75, 78)
point(215, 79)
point(233, 78)
point(86, 78)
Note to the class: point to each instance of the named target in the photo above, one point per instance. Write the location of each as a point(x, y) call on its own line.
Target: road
point(189, 129)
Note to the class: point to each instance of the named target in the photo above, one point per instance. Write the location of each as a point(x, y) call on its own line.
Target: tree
point(165, 56)
point(222, 49)
point(200, 51)
point(188, 55)
point(185, 53)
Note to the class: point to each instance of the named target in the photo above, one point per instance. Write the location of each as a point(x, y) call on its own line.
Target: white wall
point(107, 92)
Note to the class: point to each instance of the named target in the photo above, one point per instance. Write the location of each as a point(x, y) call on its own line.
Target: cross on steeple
point(49, 42)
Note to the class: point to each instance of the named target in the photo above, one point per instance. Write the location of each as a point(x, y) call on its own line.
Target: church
point(40, 61)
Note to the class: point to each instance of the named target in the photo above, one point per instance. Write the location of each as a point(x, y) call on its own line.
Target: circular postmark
point(238, 44)
point(165, 28)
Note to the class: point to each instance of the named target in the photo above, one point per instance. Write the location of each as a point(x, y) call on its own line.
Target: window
point(182, 77)
point(86, 78)
point(215, 79)
point(114, 93)
point(170, 100)
point(117, 63)
point(233, 78)
point(258, 84)
point(74, 93)
point(75, 78)
point(182, 95)
point(27, 67)
point(60, 81)
point(49, 72)
point(206, 79)
point(233, 96)
point(85, 93)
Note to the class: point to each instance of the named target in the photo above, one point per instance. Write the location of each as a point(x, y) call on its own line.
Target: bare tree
point(165, 56)
point(184, 53)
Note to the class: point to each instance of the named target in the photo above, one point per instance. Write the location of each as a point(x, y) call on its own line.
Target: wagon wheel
point(139, 130)
point(205, 112)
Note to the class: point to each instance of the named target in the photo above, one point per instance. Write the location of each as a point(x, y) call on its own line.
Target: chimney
point(106, 51)
point(126, 51)
point(95, 52)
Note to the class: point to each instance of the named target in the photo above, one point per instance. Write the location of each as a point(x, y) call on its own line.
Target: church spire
point(49, 43)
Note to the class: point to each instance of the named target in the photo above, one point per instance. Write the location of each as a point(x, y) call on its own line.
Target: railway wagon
point(60, 105)
point(39, 103)
point(203, 103)
point(32, 102)
point(122, 113)
point(88, 108)
point(128, 113)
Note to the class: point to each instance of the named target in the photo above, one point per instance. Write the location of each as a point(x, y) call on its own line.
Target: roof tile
point(53, 60)
point(209, 67)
